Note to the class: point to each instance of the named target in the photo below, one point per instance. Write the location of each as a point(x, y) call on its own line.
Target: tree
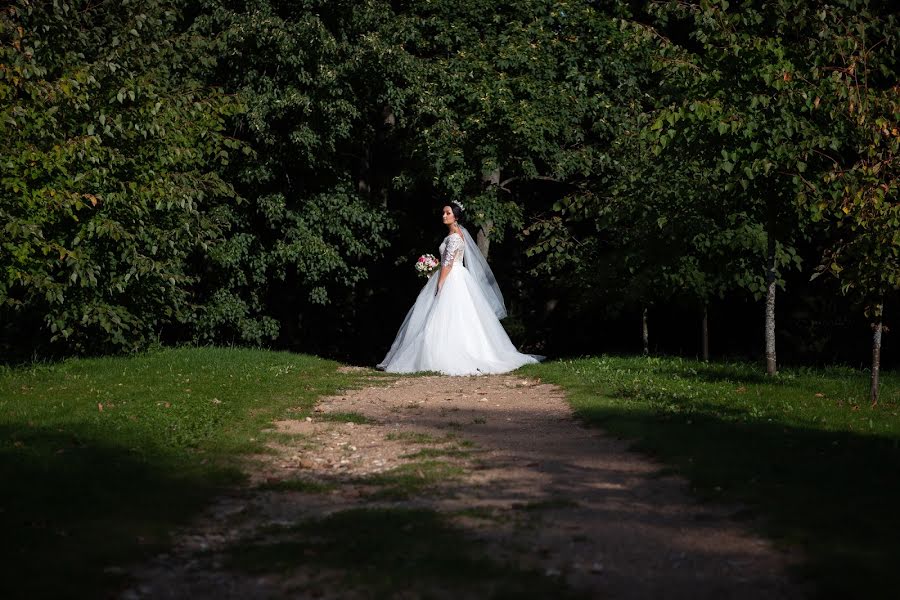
point(109, 191)
point(857, 102)
point(316, 79)
point(735, 91)
point(515, 94)
point(802, 101)
point(671, 222)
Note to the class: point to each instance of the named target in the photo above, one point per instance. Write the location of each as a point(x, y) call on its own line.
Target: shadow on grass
point(391, 551)
point(74, 512)
point(832, 494)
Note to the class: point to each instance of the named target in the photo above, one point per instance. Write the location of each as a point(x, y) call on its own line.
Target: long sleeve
point(451, 249)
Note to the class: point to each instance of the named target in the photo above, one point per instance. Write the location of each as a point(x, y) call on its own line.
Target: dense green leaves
point(312, 78)
point(219, 171)
point(109, 157)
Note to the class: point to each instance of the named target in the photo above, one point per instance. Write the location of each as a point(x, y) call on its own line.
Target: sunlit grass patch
point(413, 478)
point(344, 417)
point(286, 438)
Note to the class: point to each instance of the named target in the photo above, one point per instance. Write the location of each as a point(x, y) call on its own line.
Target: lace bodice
point(452, 248)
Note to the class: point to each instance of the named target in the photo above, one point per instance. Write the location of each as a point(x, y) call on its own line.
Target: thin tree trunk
point(705, 328)
point(483, 237)
point(388, 121)
point(645, 332)
point(877, 329)
point(362, 181)
point(771, 363)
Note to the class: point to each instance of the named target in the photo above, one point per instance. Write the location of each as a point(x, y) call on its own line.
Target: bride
point(454, 326)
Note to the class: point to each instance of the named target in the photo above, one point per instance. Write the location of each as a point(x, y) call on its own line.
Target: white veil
point(474, 261)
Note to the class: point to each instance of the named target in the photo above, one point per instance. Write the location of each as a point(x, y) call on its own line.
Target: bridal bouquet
point(427, 264)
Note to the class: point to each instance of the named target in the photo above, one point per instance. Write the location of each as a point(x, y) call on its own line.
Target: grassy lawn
point(101, 458)
point(804, 453)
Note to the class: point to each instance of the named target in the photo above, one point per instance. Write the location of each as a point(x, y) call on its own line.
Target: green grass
point(344, 417)
point(101, 458)
point(817, 467)
point(413, 478)
point(296, 440)
point(393, 553)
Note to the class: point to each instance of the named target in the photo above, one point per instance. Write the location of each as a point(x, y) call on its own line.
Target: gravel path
point(515, 473)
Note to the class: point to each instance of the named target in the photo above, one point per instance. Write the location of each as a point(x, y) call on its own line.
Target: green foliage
point(804, 453)
point(109, 152)
point(726, 116)
point(530, 91)
point(230, 171)
point(311, 77)
point(760, 125)
point(658, 217)
point(800, 104)
point(856, 99)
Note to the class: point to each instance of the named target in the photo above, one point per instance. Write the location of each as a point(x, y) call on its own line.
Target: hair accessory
point(458, 204)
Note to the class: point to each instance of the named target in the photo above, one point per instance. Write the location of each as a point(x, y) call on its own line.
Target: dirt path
point(495, 465)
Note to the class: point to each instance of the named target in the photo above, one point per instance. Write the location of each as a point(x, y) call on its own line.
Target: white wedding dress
point(457, 331)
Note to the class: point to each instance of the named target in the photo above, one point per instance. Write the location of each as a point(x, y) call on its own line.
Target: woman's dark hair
point(457, 212)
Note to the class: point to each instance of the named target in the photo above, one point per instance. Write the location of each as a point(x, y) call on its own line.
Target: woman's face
point(447, 216)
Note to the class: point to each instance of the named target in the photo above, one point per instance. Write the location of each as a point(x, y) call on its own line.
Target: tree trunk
point(388, 121)
point(362, 181)
point(771, 364)
point(877, 329)
point(645, 332)
point(483, 237)
point(705, 333)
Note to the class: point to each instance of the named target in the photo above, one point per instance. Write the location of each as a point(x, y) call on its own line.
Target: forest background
point(676, 177)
